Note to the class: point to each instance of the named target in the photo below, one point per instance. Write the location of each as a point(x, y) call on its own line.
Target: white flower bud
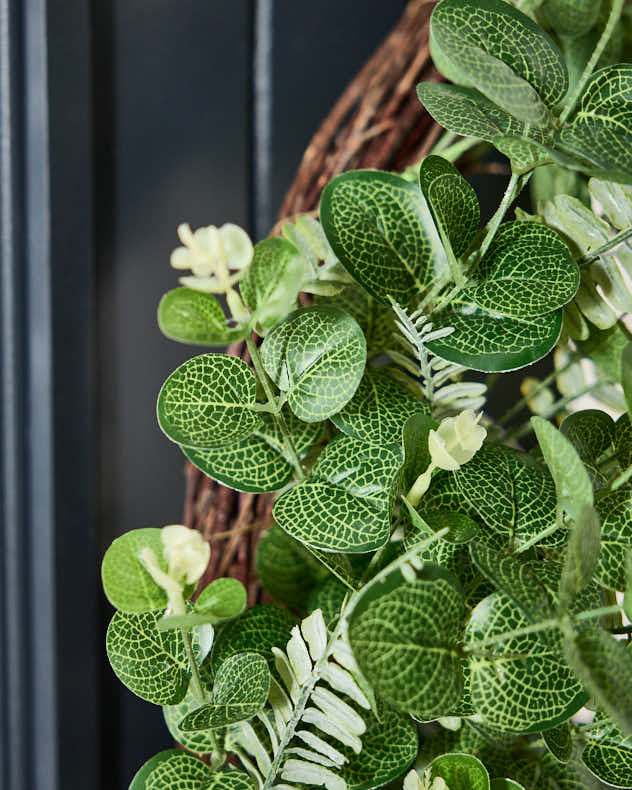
point(186, 552)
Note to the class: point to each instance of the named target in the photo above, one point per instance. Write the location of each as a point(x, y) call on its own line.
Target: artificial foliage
point(452, 588)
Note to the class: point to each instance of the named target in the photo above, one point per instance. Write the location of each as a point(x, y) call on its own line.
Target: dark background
point(120, 119)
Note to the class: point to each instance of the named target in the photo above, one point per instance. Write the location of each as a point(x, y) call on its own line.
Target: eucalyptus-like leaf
point(615, 509)
point(604, 666)
point(272, 282)
point(581, 557)
point(346, 503)
point(257, 463)
point(608, 753)
point(418, 627)
point(377, 412)
point(196, 318)
point(240, 690)
point(389, 746)
point(128, 586)
point(572, 483)
point(572, 17)
point(599, 128)
point(316, 356)
point(559, 741)
point(207, 402)
point(527, 271)
point(511, 493)
point(380, 227)
point(222, 599)
point(459, 772)
point(501, 52)
point(177, 770)
point(286, 569)
point(520, 684)
point(151, 663)
point(452, 201)
point(591, 431)
point(484, 340)
point(374, 318)
point(258, 630)
point(200, 741)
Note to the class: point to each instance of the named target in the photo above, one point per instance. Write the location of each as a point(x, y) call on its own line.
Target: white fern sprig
point(415, 331)
point(317, 669)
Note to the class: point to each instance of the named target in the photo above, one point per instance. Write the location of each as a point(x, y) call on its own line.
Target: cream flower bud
point(414, 782)
point(186, 552)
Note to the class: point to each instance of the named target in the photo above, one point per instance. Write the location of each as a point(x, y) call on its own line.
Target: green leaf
point(272, 282)
point(501, 52)
point(608, 754)
point(521, 684)
point(222, 599)
point(572, 483)
point(151, 663)
point(328, 597)
point(201, 741)
point(389, 746)
point(452, 201)
point(415, 443)
point(604, 666)
point(599, 130)
point(258, 463)
point(467, 112)
point(627, 596)
point(377, 412)
point(505, 784)
point(511, 493)
point(346, 503)
point(626, 375)
point(128, 586)
point(285, 568)
point(337, 564)
point(259, 630)
point(460, 772)
point(483, 340)
point(527, 271)
point(240, 690)
point(615, 509)
point(405, 637)
point(196, 318)
point(516, 579)
point(559, 741)
point(375, 319)
point(461, 528)
point(591, 432)
point(316, 356)
point(207, 402)
point(177, 770)
point(623, 440)
point(572, 17)
point(581, 556)
point(380, 227)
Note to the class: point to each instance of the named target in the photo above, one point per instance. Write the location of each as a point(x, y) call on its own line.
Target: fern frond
point(415, 331)
point(318, 672)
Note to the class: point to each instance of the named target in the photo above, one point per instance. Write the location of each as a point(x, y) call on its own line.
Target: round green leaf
point(404, 636)
point(615, 509)
point(346, 503)
point(196, 318)
point(460, 772)
point(608, 754)
point(316, 356)
point(328, 597)
point(201, 741)
point(380, 228)
point(374, 319)
point(572, 17)
point(485, 341)
point(626, 375)
point(222, 598)
point(559, 741)
point(505, 784)
point(139, 782)
point(151, 663)
point(527, 271)
point(378, 410)
point(521, 684)
point(591, 432)
point(128, 586)
point(241, 688)
point(207, 401)
point(259, 630)
point(452, 201)
point(258, 463)
point(286, 569)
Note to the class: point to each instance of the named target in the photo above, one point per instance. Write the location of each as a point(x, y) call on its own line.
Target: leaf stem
point(276, 410)
point(511, 193)
point(615, 14)
point(591, 256)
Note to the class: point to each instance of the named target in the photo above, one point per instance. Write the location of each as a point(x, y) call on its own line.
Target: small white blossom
point(455, 442)
point(414, 782)
point(217, 258)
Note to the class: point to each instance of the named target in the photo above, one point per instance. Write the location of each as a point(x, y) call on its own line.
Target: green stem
point(610, 244)
point(198, 691)
point(276, 410)
point(621, 479)
point(454, 151)
point(445, 140)
point(615, 14)
point(511, 193)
